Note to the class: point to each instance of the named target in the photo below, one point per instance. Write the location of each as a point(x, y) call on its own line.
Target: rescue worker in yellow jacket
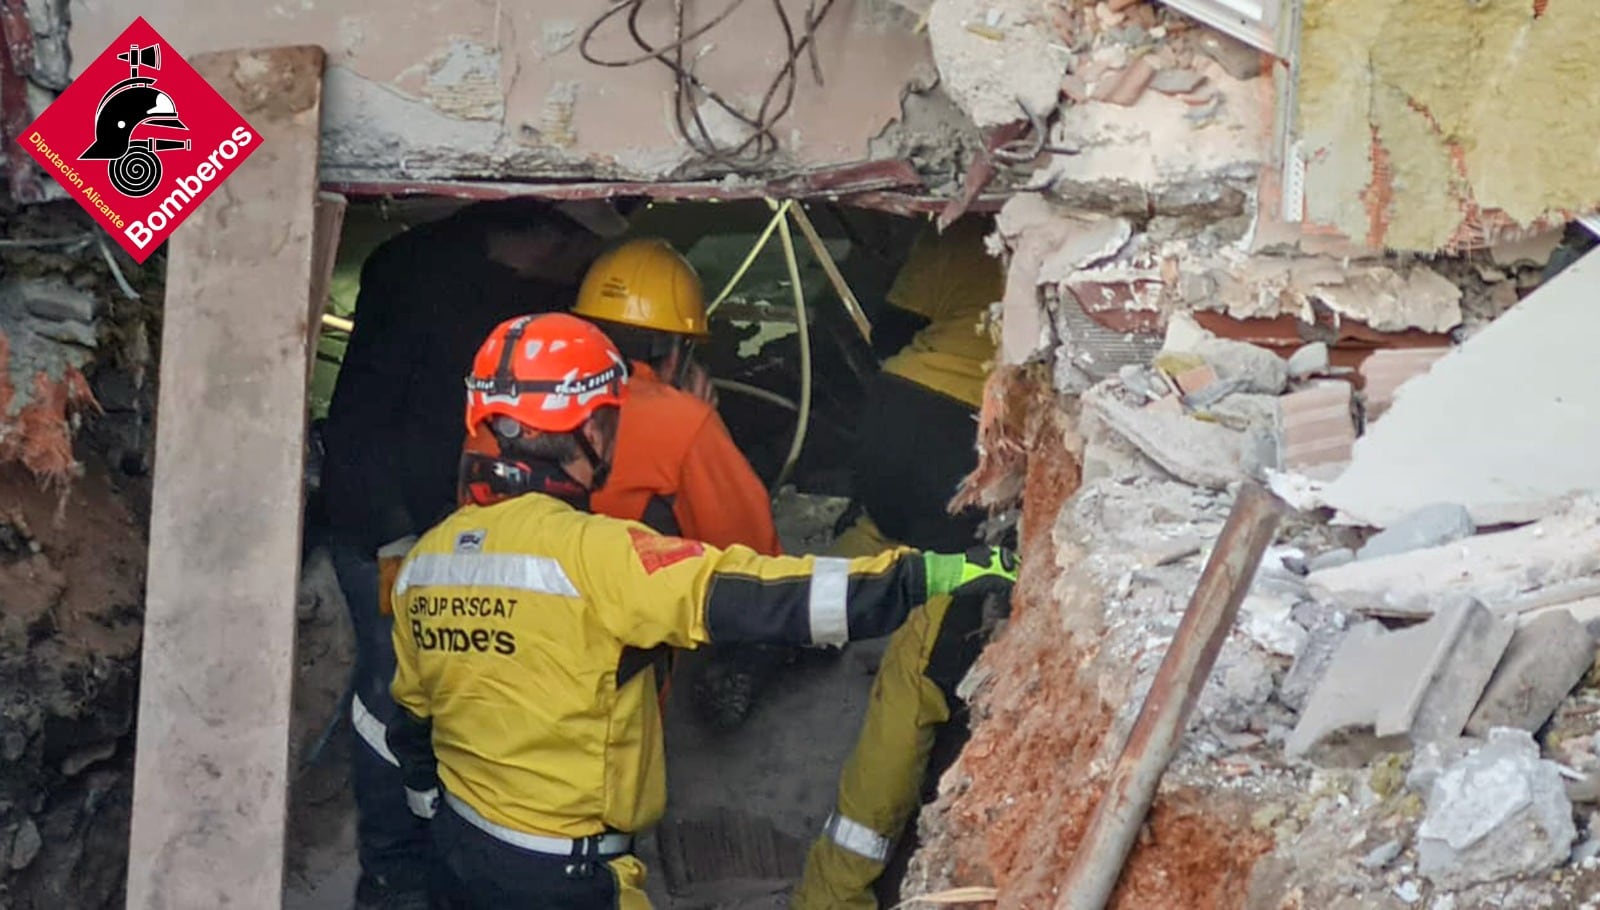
point(915, 726)
point(530, 732)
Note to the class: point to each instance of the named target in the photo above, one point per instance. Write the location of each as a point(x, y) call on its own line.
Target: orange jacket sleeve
point(720, 499)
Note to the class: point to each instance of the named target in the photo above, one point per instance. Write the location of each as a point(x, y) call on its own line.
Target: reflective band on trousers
point(539, 574)
point(371, 730)
point(607, 844)
point(830, 589)
point(857, 838)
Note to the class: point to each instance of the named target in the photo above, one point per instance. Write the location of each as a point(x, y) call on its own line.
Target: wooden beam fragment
point(1097, 864)
point(211, 767)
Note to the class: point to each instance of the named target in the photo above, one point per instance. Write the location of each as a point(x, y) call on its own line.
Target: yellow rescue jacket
point(950, 279)
point(518, 633)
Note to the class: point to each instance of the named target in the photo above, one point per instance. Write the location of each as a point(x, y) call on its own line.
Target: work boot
point(372, 893)
point(733, 678)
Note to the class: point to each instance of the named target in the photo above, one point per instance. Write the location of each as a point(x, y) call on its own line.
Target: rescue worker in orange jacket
point(528, 735)
point(677, 468)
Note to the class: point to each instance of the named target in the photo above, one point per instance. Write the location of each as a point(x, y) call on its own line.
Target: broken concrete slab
point(996, 80)
point(1497, 813)
point(1508, 570)
point(1545, 660)
point(1430, 526)
point(1503, 425)
point(1205, 453)
point(1309, 360)
point(1385, 690)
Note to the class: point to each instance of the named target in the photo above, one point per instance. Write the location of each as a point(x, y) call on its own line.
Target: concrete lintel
point(211, 773)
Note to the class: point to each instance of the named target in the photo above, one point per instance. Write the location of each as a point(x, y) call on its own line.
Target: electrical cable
point(762, 142)
point(802, 324)
point(767, 395)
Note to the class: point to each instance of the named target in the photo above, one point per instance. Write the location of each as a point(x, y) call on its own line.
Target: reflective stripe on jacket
point(511, 622)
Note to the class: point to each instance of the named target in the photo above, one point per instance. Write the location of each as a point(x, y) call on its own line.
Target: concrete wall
point(482, 88)
point(1434, 124)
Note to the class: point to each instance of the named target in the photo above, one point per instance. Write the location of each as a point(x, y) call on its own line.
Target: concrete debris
point(1384, 688)
point(1385, 371)
point(1534, 250)
point(1545, 660)
point(1205, 453)
point(1497, 813)
point(1309, 360)
point(1430, 760)
point(1336, 557)
point(1501, 426)
point(1176, 81)
point(1048, 244)
point(1381, 856)
point(1322, 639)
point(25, 848)
point(1319, 432)
point(1262, 371)
point(1430, 526)
point(1408, 891)
point(1509, 570)
point(988, 77)
point(1267, 621)
point(1240, 60)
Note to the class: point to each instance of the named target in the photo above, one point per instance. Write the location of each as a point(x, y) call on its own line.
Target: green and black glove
point(948, 572)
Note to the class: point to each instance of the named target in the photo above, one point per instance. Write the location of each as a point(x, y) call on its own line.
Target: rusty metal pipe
point(1098, 862)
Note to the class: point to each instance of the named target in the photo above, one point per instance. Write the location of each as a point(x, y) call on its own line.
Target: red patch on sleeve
point(657, 552)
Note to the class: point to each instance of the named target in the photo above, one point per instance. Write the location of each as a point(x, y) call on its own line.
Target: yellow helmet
point(647, 284)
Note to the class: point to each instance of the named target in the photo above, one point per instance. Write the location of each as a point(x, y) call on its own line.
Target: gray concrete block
point(1497, 813)
point(1430, 526)
point(1545, 660)
point(1309, 360)
point(1331, 559)
point(1383, 691)
point(1262, 371)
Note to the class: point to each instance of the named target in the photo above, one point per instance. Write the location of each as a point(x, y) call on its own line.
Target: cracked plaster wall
point(1434, 124)
point(482, 88)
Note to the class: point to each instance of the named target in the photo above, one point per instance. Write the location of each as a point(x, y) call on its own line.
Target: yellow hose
point(749, 260)
point(805, 345)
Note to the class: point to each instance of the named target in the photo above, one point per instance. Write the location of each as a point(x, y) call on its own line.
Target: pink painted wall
point(493, 89)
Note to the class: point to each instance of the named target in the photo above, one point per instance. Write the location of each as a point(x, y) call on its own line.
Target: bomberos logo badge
point(140, 139)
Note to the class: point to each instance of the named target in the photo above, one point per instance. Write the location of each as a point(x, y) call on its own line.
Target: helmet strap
point(685, 348)
point(601, 467)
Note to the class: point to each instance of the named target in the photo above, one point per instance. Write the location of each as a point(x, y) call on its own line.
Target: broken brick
point(1386, 370)
point(1130, 88)
point(1318, 431)
point(1194, 379)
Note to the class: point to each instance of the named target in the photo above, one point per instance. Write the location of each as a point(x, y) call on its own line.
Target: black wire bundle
point(762, 142)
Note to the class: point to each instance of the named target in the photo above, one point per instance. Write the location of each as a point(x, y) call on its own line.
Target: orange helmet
point(549, 373)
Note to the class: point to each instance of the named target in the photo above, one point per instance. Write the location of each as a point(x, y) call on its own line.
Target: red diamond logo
point(140, 140)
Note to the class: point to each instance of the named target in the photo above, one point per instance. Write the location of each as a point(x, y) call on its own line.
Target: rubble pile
point(1401, 717)
point(77, 396)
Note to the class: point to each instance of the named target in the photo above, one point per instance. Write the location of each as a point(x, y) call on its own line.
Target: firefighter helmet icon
point(130, 104)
